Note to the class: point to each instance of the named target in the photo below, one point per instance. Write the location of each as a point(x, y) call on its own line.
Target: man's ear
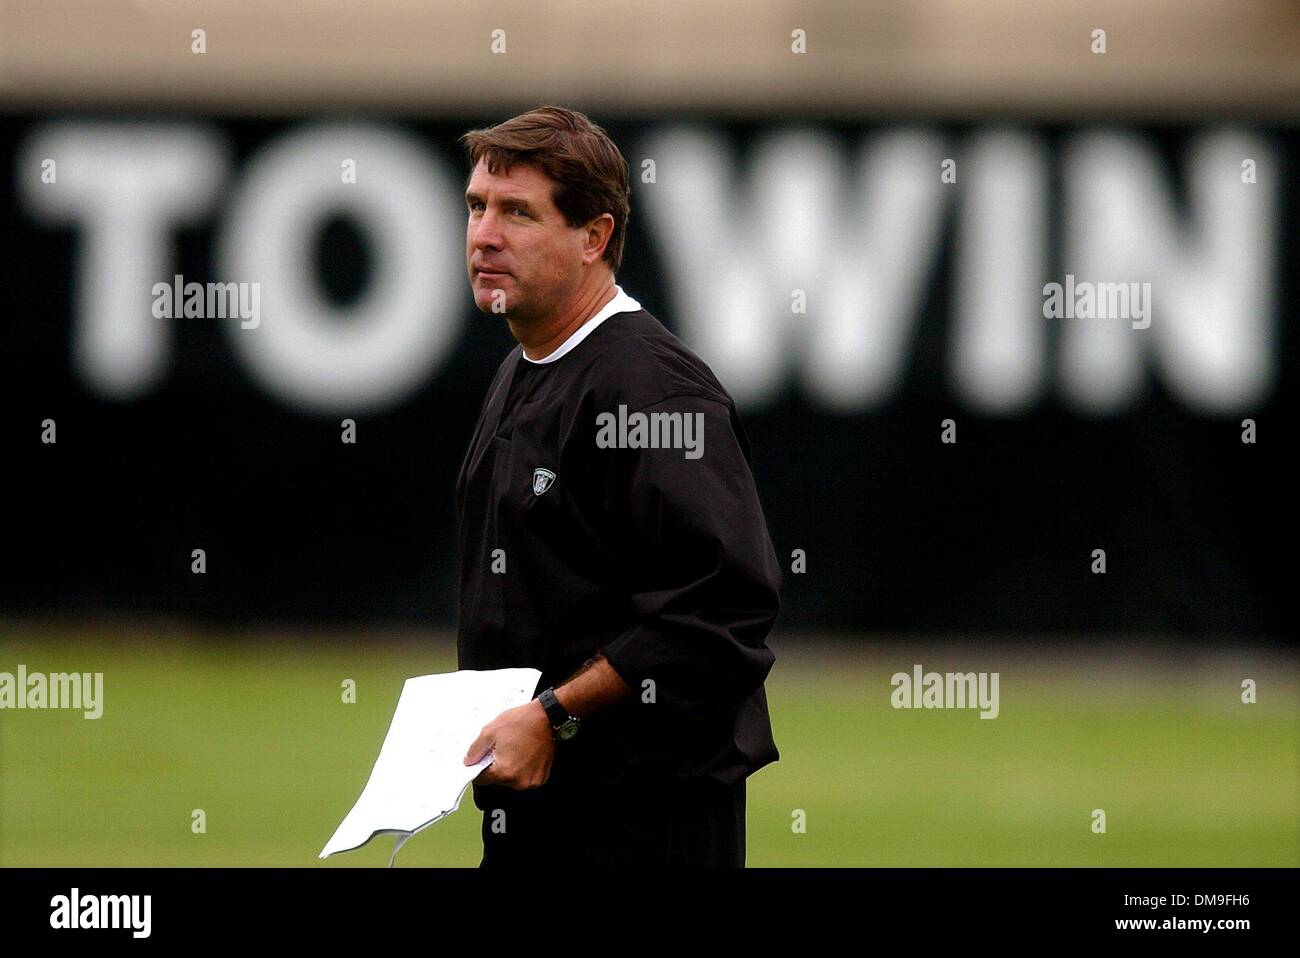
point(596, 237)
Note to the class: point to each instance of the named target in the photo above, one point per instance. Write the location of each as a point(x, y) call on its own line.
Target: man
point(610, 535)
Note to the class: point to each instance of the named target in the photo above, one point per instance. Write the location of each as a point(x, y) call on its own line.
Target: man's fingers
point(479, 748)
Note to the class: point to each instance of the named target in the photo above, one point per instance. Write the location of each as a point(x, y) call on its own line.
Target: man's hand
point(521, 742)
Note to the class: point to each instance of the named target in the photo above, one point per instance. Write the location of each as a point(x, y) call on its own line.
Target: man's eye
point(473, 208)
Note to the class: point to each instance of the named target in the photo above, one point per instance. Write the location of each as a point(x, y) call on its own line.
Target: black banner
point(305, 907)
point(868, 293)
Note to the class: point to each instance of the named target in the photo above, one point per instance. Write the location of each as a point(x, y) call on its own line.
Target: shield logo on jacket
point(542, 479)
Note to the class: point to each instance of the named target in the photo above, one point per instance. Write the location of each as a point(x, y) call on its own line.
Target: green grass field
point(251, 729)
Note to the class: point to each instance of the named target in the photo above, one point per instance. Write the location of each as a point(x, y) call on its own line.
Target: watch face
point(567, 730)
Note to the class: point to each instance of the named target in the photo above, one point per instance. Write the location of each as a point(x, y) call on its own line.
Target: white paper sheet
point(419, 776)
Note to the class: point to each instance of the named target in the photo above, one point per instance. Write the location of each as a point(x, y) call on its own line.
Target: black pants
point(614, 824)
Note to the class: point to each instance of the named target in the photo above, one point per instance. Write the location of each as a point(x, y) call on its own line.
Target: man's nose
point(487, 233)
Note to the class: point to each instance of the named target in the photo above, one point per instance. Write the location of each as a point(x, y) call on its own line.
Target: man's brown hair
point(589, 172)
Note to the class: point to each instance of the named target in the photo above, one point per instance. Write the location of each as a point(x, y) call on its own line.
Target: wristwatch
point(564, 726)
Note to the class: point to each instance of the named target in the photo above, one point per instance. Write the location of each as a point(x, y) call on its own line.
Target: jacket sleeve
point(703, 577)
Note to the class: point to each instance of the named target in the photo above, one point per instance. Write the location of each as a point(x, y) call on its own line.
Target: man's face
point(519, 250)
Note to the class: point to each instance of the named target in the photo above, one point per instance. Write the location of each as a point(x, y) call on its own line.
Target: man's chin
point(489, 292)
point(485, 305)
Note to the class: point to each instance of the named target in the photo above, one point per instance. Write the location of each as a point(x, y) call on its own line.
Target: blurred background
point(850, 210)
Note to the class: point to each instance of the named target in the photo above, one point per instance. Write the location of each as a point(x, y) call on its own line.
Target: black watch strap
point(556, 713)
point(563, 725)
